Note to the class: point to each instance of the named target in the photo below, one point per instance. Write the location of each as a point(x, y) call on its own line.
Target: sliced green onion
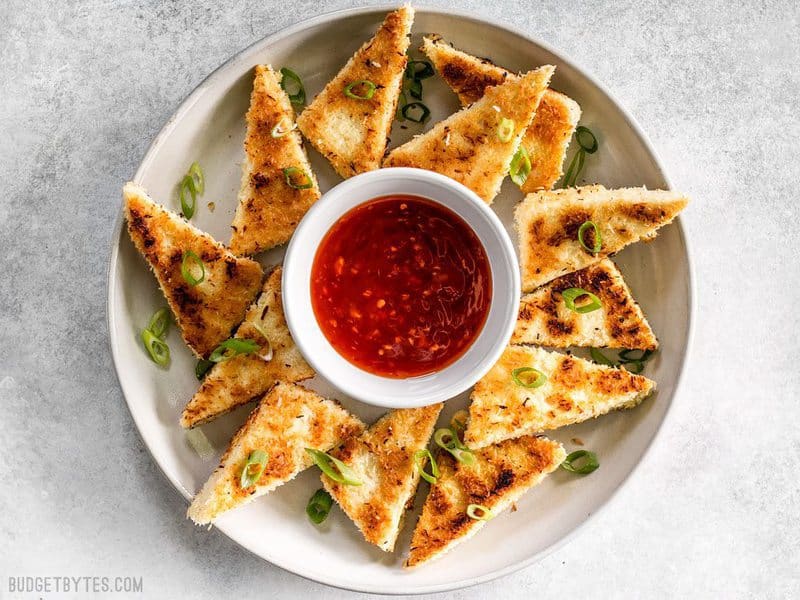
point(233, 347)
point(423, 115)
point(417, 74)
point(334, 468)
point(293, 174)
point(589, 464)
point(420, 458)
point(199, 181)
point(598, 239)
point(520, 166)
point(601, 358)
point(201, 368)
point(415, 89)
point(188, 196)
point(479, 512)
point(447, 439)
point(192, 268)
point(401, 102)
point(369, 90)
point(570, 295)
point(575, 167)
point(625, 355)
point(156, 348)
point(459, 421)
point(253, 468)
point(280, 130)
point(159, 323)
point(319, 506)
point(505, 131)
point(289, 76)
point(540, 380)
point(586, 139)
point(633, 366)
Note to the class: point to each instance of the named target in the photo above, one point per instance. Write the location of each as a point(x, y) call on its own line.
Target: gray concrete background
point(712, 512)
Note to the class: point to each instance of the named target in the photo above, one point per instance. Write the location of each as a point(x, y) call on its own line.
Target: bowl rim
point(348, 377)
point(564, 58)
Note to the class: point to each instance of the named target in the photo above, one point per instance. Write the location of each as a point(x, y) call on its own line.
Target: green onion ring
point(156, 348)
point(540, 380)
point(420, 456)
point(299, 97)
point(401, 102)
point(368, 93)
point(472, 512)
point(418, 74)
point(591, 464)
point(520, 166)
point(188, 201)
point(334, 468)
point(505, 131)
point(575, 167)
point(233, 347)
point(584, 135)
point(198, 179)
point(191, 262)
point(454, 446)
point(415, 89)
point(458, 422)
point(250, 476)
point(159, 323)
point(625, 355)
point(319, 506)
point(601, 358)
point(598, 240)
point(570, 295)
point(289, 174)
point(278, 131)
point(633, 366)
point(201, 368)
point(424, 115)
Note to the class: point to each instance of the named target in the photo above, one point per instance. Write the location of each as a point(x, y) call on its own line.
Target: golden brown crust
point(352, 134)
point(288, 420)
point(548, 224)
point(269, 208)
point(466, 146)
point(545, 320)
point(207, 312)
point(248, 376)
point(499, 476)
point(383, 459)
point(575, 390)
point(548, 135)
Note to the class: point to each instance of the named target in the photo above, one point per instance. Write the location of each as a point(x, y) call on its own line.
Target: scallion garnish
point(233, 347)
point(420, 458)
point(401, 102)
point(192, 268)
point(589, 464)
point(597, 244)
point(521, 378)
point(282, 128)
point(447, 439)
point(459, 421)
point(479, 512)
point(587, 143)
point(625, 355)
point(421, 117)
point(633, 366)
point(159, 323)
point(253, 469)
point(505, 131)
point(364, 85)
point(601, 358)
point(289, 76)
point(319, 506)
point(334, 468)
point(415, 89)
point(187, 195)
point(520, 166)
point(414, 72)
point(202, 367)
point(570, 295)
point(156, 348)
point(297, 178)
point(198, 179)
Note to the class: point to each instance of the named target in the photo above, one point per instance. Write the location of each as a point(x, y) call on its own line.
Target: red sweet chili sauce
point(401, 286)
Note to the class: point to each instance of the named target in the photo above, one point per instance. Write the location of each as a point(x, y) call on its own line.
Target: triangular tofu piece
point(548, 224)
point(206, 313)
point(548, 135)
point(352, 133)
point(575, 390)
point(497, 479)
point(269, 208)
point(545, 320)
point(287, 421)
point(383, 459)
point(467, 146)
point(247, 377)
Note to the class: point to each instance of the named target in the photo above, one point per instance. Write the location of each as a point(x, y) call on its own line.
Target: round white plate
point(209, 127)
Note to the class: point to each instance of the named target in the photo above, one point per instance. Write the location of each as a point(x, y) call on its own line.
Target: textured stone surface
point(713, 509)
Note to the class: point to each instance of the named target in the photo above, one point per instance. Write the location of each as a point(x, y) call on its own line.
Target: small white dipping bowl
point(412, 391)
